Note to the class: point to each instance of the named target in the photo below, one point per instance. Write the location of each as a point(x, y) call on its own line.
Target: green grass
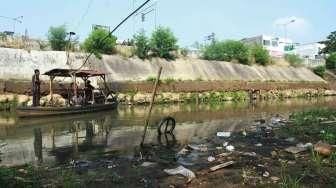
point(289, 181)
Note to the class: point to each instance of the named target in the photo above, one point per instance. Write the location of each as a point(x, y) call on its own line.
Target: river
point(61, 139)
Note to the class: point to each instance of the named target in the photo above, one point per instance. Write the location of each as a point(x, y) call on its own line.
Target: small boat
point(27, 112)
point(100, 105)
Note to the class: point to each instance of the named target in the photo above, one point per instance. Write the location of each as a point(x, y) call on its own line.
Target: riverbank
point(175, 91)
point(269, 152)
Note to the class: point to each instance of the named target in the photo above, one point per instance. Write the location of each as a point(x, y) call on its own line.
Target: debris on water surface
point(182, 171)
point(147, 164)
point(323, 148)
point(258, 145)
point(202, 148)
point(224, 134)
point(223, 165)
point(229, 148)
point(266, 174)
point(251, 154)
point(224, 154)
point(290, 139)
point(183, 151)
point(211, 158)
point(275, 179)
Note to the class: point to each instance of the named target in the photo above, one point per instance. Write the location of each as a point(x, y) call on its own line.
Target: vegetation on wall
point(319, 70)
point(163, 43)
point(141, 43)
point(226, 51)
point(57, 37)
point(294, 60)
point(100, 42)
point(259, 55)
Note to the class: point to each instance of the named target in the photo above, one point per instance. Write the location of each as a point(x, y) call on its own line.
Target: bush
point(100, 42)
point(163, 43)
point(294, 60)
point(331, 61)
point(227, 51)
point(141, 45)
point(57, 37)
point(260, 55)
point(184, 52)
point(319, 70)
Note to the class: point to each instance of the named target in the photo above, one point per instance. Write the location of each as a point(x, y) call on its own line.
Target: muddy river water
point(61, 139)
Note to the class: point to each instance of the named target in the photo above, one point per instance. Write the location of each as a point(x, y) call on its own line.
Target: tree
point(260, 55)
point(141, 45)
point(330, 44)
point(57, 37)
point(227, 51)
point(100, 42)
point(331, 61)
point(163, 43)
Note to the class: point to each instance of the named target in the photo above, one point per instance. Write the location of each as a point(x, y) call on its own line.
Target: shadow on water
point(62, 139)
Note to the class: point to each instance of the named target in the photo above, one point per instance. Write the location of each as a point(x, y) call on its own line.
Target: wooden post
point(51, 89)
point(53, 145)
point(151, 105)
point(38, 144)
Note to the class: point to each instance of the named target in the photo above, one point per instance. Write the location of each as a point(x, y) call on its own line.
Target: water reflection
point(60, 140)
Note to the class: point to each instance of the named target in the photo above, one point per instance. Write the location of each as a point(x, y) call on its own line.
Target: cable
point(110, 33)
point(84, 14)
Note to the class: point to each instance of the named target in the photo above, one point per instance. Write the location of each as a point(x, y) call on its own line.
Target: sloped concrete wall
point(19, 64)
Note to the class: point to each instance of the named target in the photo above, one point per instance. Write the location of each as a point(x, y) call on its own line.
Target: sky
point(190, 20)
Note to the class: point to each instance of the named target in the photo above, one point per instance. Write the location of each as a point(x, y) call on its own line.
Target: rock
point(21, 170)
point(323, 148)
point(275, 179)
point(274, 154)
point(57, 100)
point(295, 150)
point(307, 145)
point(183, 171)
point(291, 139)
point(225, 144)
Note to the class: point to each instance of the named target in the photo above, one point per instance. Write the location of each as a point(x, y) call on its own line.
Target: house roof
point(70, 72)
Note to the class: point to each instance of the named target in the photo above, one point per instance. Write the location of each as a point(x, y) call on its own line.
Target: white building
point(310, 50)
point(276, 46)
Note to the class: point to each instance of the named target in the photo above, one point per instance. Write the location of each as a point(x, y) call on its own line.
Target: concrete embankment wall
point(19, 64)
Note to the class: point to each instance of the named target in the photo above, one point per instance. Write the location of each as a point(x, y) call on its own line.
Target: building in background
point(279, 47)
point(276, 46)
point(309, 50)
